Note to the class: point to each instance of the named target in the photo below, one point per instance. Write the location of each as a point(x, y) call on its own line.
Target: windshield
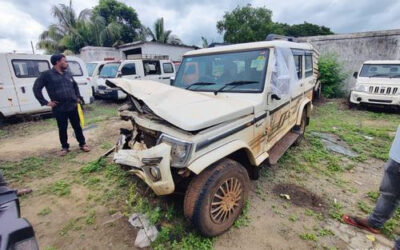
point(380, 70)
point(90, 68)
point(212, 72)
point(109, 70)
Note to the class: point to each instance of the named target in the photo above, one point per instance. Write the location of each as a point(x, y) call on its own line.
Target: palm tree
point(205, 42)
point(159, 34)
point(67, 34)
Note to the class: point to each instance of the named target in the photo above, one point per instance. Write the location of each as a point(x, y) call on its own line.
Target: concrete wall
point(175, 53)
point(355, 48)
point(90, 53)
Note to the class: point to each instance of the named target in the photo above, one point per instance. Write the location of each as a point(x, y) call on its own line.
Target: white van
point(156, 70)
point(94, 69)
point(378, 83)
point(18, 73)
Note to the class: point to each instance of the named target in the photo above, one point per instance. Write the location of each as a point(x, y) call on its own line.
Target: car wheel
point(301, 129)
point(216, 197)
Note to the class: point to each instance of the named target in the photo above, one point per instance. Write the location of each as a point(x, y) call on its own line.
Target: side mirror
point(355, 74)
point(275, 97)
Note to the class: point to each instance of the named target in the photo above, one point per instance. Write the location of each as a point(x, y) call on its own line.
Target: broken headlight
point(180, 150)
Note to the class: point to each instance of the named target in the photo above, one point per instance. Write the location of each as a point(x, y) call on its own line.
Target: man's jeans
point(62, 122)
point(389, 197)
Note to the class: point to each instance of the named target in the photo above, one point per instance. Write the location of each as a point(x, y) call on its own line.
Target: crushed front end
point(148, 150)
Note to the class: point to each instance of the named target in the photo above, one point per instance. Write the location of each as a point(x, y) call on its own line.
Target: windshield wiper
point(200, 83)
point(234, 83)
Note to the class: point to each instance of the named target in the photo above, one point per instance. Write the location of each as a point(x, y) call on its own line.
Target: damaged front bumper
point(152, 165)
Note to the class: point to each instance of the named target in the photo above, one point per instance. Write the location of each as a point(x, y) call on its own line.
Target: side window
point(167, 67)
point(29, 68)
point(308, 65)
point(152, 67)
point(128, 69)
point(298, 62)
point(75, 68)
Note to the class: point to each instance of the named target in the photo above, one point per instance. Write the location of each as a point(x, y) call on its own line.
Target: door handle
point(23, 90)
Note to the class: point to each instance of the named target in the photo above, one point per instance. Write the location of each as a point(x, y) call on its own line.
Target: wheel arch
point(234, 150)
point(307, 106)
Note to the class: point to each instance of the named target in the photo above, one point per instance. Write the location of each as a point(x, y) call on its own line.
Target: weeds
point(59, 188)
point(45, 211)
point(308, 236)
point(72, 225)
point(336, 211)
point(244, 218)
point(91, 218)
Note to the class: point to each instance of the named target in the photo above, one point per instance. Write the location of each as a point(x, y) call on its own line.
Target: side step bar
point(280, 148)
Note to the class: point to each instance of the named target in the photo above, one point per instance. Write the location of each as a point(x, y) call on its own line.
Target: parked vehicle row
point(157, 70)
point(18, 74)
point(230, 109)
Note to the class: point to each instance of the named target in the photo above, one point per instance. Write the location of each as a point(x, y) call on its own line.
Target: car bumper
point(151, 165)
point(111, 93)
point(357, 97)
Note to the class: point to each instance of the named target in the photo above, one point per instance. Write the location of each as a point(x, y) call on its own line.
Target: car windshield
point(109, 70)
point(90, 68)
point(212, 72)
point(380, 70)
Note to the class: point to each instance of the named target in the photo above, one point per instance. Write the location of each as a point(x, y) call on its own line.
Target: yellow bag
point(81, 117)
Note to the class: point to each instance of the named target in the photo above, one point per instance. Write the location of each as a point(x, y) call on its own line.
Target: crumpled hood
point(188, 110)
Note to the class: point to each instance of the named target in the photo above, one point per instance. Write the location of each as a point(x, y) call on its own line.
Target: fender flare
point(201, 163)
point(304, 103)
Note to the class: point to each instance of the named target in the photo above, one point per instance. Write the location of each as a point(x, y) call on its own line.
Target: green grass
point(59, 188)
point(336, 211)
point(31, 167)
point(45, 211)
point(244, 218)
point(308, 236)
point(91, 218)
point(72, 225)
point(293, 218)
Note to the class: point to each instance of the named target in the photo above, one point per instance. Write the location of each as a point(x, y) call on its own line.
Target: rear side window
point(152, 67)
point(128, 69)
point(298, 62)
point(75, 68)
point(308, 65)
point(167, 67)
point(29, 68)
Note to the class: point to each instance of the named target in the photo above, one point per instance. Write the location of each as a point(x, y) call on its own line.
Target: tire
point(317, 93)
point(219, 180)
point(301, 129)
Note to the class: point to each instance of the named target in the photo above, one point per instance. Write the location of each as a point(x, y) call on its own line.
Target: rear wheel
point(216, 197)
point(301, 129)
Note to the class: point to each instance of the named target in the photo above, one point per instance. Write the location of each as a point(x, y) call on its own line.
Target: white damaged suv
point(230, 109)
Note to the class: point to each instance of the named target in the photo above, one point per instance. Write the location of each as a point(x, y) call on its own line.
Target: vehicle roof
point(382, 62)
point(247, 46)
point(107, 61)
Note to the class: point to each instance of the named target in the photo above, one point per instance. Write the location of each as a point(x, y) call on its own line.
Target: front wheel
point(216, 197)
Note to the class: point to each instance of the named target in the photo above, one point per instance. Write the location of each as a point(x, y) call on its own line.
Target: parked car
point(19, 72)
point(94, 69)
point(15, 232)
point(378, 83)
point(230, 109)
point(157, 70)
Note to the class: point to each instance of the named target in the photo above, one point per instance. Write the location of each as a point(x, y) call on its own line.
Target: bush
point(332, 76)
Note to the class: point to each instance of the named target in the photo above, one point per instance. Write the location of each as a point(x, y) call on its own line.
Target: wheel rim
point(226, 200)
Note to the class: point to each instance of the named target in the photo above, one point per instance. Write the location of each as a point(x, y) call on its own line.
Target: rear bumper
point(144, 162)
point(357, 97)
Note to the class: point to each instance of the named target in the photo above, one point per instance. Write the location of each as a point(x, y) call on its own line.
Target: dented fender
point(201, 163)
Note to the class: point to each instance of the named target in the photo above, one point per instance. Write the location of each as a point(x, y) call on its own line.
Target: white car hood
point(188, 110)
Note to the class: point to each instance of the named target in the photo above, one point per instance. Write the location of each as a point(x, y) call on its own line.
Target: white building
point(135, 50)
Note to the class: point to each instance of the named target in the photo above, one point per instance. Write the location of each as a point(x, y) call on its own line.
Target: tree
point(205, 42)
point(249, 24)
point(118, 15)
point(159, 34)
point(59, 36)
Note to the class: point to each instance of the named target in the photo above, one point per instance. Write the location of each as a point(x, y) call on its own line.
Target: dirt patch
point(300, 196)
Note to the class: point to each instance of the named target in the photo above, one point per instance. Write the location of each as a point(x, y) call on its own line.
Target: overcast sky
point(21, 21)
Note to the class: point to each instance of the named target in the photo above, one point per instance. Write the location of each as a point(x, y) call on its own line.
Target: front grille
point(382, 90)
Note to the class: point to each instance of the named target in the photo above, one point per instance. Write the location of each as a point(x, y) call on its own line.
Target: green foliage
point(91, 218)
point(28, 167)
point(336, 211)
point(249, 24)
point(308, 236)
point(93, 166)
point(325, 232)
point(293, 218)
point(364, 207)
point(332, 76)
point(72, 225)
point(159, 34)
point(60, 188)
point(373, 195)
